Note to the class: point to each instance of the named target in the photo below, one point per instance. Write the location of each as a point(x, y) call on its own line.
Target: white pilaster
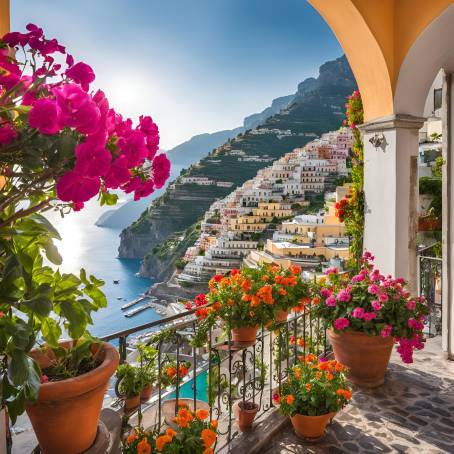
point(391, 193)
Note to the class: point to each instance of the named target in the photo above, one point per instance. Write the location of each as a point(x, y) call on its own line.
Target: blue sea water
point(84, 245)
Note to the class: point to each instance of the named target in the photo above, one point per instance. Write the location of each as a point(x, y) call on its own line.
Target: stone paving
point(413, 412)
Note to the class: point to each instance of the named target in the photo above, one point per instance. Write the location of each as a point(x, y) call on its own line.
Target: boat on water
point(139, 309)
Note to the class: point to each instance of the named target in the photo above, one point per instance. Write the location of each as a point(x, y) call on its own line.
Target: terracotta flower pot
point(281, 316)
point(366, 357)
point(65, 416)
point(246, 415)
point(246, 335)
point(146, 393)
point(311, 427)
point(132, 402)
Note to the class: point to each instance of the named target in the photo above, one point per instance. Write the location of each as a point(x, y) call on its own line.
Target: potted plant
point(193, 434)
point(60, 146)
point(247, 412)
point(312, 395)
point(240, 301)
point(172, 375)
point(147, 361)
point(285, 285)
point(365, 315)
point(130, 385)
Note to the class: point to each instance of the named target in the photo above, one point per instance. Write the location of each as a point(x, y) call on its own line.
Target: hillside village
point(285, 214)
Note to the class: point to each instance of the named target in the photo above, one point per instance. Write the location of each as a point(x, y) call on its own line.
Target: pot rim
point(76, 386)
point(330, 414)
point(362, 334)
point(249, 410)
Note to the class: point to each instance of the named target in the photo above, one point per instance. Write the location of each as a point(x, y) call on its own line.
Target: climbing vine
point(350, 209)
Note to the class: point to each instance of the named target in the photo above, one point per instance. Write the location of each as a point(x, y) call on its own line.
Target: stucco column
point(391, 193)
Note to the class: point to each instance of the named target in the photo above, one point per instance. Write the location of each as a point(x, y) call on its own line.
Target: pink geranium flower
point(358, 312)
point(76, 187)
point(45, 116)
point(161, 170)
point(82, 74)
point(376, 305)
point(368, 316)
point(331, 301)
point(341, 323)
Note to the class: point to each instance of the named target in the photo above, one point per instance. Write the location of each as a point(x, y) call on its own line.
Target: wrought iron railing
point(223, 373)
point(430, 286)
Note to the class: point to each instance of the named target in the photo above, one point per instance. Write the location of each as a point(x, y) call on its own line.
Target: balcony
point(412, 411)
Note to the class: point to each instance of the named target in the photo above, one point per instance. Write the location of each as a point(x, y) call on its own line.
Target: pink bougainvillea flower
point(118, 174)
point(7, 133)
point(45, 116)
point(161, 170)
point(10, 73)
point(135, 149)
point(82, 74)
point(77, 206)
point(331, 301)
point(78, 109)
point(144, 190)
point(325, 292)
point(76, 187)
point(132, 185)
point(341, 323)
point(92, 160)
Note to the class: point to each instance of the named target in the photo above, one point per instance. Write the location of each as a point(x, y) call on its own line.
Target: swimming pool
point(187, 390)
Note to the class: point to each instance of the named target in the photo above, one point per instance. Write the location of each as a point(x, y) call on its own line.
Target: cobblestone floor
point(413, 412)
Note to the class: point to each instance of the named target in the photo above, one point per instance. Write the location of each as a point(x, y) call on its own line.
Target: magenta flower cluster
point(110, 153)
point(376, 304)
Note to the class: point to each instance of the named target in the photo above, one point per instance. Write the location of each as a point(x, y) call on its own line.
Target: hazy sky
point(194, 65)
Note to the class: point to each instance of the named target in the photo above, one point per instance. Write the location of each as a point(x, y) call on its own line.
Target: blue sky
point(194, 65)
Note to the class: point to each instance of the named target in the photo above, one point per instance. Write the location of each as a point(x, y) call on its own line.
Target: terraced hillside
point(318, 107)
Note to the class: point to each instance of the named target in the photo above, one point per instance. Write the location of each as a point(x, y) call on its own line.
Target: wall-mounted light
point(378, 140)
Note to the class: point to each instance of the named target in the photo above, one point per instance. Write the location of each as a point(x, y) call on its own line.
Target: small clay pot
point(132, 402)
point(366, 357)
point(311, 428)
point(146, 393)
point(246, 335)
point(281, 316)
point(246, 415)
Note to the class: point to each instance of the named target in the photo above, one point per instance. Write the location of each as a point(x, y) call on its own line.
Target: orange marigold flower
point(246, 285)
point(214, 423)
point(330, 376)
point(246, 297)
point(202, 413)
point(296, 270)
point(255, 301)
point(339, 367)
point(301, 342)
point(346, 393)
point(290, 399)
point(161, 441)
point(308, 387)
point(282, 291)
point(183, 370)
point(265, 278)
point(310, 358)
point(185, 413)
point(324, 366)
point(230, 302)
point(216, 306)
point(170, 432)
point(316, 300)
point(131, 437)
point(143, 447)
point(208, 436)
point(318, 375)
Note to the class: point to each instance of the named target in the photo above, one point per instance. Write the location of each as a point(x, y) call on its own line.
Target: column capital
point(395, 121)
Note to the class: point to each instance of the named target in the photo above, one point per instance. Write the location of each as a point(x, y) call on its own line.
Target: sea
point(85, 245)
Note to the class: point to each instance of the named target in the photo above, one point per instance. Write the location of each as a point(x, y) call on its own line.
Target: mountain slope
point(317, 107)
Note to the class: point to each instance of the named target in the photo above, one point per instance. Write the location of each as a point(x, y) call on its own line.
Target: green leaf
point(52, 253)
point(76, 317)
point(22, 369)
point(39, 218)
point(108, 199)
point(51, 331)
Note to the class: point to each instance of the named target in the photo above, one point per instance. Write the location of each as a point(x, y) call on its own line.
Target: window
point(437, 98)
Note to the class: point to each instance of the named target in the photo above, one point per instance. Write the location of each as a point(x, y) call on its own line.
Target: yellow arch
point(376, 36)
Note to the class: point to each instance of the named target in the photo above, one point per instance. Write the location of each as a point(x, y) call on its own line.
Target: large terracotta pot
point(366, 357)
point(246, 335)
point(281, 316)
point(146, 393)
point(65, 416)
point(246, 415)
point(311, 427)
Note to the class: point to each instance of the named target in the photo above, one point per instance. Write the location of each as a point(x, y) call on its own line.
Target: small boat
point(119, 298)
point(116, 281)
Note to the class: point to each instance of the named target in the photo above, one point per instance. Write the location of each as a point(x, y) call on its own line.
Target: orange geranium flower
point(143, 447)
point(246, 297)
point(330, 376)
point(171, 372)
point(230, 302)
point(295, 269)
point(308, 387)
point(255, 301)
point(208, 436)
point(290, 399)
point(282, 291)
point(161, 441)
point(202, 413)
point(301, 342)
point(246, 285)
point(216, 306)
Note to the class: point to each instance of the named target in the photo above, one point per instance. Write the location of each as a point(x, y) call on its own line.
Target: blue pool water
point(187, 390)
